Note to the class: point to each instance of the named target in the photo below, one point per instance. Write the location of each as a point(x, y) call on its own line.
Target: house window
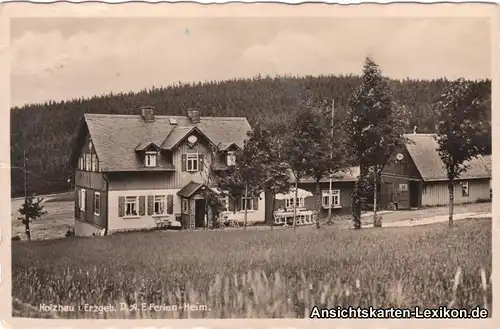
point(403, 187)
point(94, 167)
point(185, 205)
point(97, 203)
point(131, 206)
point(231, 158)
point(87, 162)
point(249, 204)
point(465, 189)
point(192, 161)
point(83, 200)
point(335, 199)
point(151, 159)
point(80, 163)
point(159, 205)
point(299, 202)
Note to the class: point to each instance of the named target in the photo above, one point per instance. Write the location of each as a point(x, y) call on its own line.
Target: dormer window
point(151, 159)
point(231, 158)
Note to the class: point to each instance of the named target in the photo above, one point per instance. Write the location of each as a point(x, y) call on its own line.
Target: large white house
point(133, 168)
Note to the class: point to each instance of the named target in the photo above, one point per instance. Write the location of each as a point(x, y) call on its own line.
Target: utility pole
point(331, 159)
point(26, 220)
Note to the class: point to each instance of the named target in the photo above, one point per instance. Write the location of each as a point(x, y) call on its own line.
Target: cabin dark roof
point(423, 151)
point(350, 174)
point(487, 163)
point(116, 137)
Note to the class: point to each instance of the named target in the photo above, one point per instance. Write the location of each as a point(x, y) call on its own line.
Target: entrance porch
point(195, 213)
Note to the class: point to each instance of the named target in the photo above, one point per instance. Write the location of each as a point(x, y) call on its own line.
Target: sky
point(59, 59)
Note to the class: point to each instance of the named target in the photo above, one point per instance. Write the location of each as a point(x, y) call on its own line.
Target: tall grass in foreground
point(278, 274)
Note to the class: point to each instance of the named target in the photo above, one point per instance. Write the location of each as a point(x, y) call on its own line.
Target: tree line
point(47, 130)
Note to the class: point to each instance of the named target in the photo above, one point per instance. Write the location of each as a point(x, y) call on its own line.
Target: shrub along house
point(415, 176)
point(131, 169)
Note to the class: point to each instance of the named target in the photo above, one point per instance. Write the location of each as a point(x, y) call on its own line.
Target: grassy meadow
point(279, 273)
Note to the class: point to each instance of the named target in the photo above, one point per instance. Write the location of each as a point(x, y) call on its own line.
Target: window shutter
point(77, 203)
point(89, 199)
point(256, 203)
point(102, 206)
point(201, 162)
point(121, 206)
point(231, 204)
point(142, 205)
point(151, 200)
point(184, 162)
point(170, 204)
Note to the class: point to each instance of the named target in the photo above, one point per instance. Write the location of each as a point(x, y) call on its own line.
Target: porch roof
point(190, 189)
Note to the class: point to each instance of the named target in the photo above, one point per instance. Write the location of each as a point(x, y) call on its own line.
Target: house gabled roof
point(423, 151)
point(116, 136)
point(190, 189)
point(178, 134)
point(487, 163)
point(145, 145)
point(225, 146)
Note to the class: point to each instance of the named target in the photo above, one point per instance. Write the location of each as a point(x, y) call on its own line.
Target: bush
point(70, 232)
point(16, 238)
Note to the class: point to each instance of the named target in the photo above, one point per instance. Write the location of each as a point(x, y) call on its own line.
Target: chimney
point(414, 130)
point(194, 115)
point(148, 113)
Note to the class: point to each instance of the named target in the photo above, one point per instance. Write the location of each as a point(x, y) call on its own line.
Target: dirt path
point(434, 219)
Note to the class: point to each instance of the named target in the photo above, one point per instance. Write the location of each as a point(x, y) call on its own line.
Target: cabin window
point(159, 205)
point(403, 187)
point(299, 202)
point(87, 162)
point(83, 194)
point(131, 206)
point(97, 203)
point(332, 201)
point(250, 202)
point(465, 189)
point(192, 160)
point(231, 158)
point(151, 159)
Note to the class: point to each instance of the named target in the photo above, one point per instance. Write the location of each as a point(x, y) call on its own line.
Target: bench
point(162, 222)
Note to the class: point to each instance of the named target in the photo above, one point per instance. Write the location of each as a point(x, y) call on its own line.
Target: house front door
point(387, 197)
point(414, 194)
point(199, 213)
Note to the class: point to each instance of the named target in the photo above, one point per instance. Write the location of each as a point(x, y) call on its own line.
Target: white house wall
point(116, 223)
point(252, 215)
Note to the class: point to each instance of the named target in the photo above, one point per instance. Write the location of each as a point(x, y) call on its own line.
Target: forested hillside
point(47, 130)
